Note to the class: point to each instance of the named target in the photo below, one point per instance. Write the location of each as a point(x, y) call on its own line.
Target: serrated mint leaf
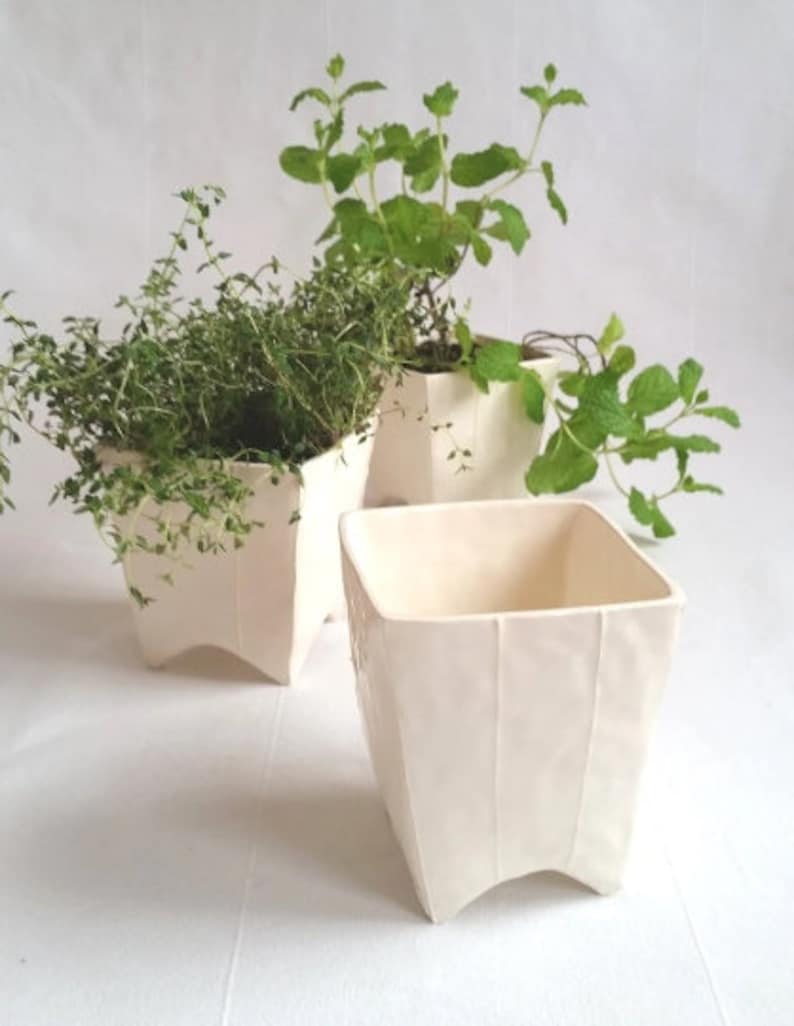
point(361, 87)
point(549, 73)
point(302, 163)
point(425, 180)
point(646, 511)
point(561, 468)
point(499, 361)
point(397, 142)
point(342, 170)
point(533, 395)
point(622, 360)
point(473, 169)
point(479, 379)
point(640, 507)
point(612, 333)
point(425, 157)
point(689, 374)
point(652, 390)
point(572, 383)
point(336, 66)
point(566, 96)
point(313, 93)
point(556, 204)
point(723, 413)
point(537, 93)
point(471, 210)
point(600, 404)
point(690, 485)
point(441, 101)
point(513, 223)
point(464, 337)
point(482, 251)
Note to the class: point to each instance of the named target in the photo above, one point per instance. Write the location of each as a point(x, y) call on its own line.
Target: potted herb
point(612, 413)
point(463, 417)
point(215, 442)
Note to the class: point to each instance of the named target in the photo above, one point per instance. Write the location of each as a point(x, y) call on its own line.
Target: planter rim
point(131, 457)
point(430, 375)
point(675, 596)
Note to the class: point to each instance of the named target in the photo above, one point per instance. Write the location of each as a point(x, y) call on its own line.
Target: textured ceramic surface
point(410, 461)
point(510, 658)
point(265, 601)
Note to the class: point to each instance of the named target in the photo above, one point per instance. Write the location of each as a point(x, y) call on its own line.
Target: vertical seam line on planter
point(266, 772)
point(404, 768)
point(237, 604)
point(499, 623)
point(590, 740)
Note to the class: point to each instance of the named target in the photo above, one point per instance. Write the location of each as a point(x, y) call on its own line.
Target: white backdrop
point(678, 179)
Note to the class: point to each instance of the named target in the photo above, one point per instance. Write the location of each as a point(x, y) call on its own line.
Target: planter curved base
point(510, 657)
point(266, 601)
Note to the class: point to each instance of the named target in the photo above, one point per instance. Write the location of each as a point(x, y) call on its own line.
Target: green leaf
point(538, 94)
point(556, 203)
point(694, 443)
point(689, 374)
point(561, 468)
point(361, 87)
point(302, 163)
point(572, 383)
point(690, 485)
point(397, 142)
point(612, 333)
point(566, 96)
point(313, 93)
point(471, 210)
point(654, 443)
point(441, 101)
point(549, 73)
point(473, 169)
point(513, 223)
point(723, 413)
point(622, 360)
point(652, 390)
point(600, 404)
point(533, 395)
point(359, 227)
point(499, 361)
point(647, 512)
point(342, 169)
point(336, 66)
point(425, 180)
point(479, 379)
point(464, 337)
point(425, 157)
point(548, 172)
point(482, 251)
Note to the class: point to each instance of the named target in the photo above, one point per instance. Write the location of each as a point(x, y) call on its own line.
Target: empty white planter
point(510, 659)
point(410, 460)
point(266, 601)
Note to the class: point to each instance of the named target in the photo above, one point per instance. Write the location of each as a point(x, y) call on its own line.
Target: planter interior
point(510, 658)
point(410, 461)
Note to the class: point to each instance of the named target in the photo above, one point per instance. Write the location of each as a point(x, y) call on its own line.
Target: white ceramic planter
point(410, 461)
point(510, 658)
point(265, 601)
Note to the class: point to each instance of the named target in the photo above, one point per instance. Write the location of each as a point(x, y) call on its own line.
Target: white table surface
point(192, 846)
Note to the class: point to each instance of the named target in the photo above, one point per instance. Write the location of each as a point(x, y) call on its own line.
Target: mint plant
point(607, 416)
point(449, 205)
point(264, 374)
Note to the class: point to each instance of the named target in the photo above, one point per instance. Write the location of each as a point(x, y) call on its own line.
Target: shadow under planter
point(510, 658)
point(266, 601)
point(425, 417)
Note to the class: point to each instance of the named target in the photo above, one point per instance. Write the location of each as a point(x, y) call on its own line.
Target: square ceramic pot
point(266, 601)
point(410, 460)
point(510, 659)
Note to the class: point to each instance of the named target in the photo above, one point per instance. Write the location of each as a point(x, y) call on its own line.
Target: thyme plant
point(263, 374)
